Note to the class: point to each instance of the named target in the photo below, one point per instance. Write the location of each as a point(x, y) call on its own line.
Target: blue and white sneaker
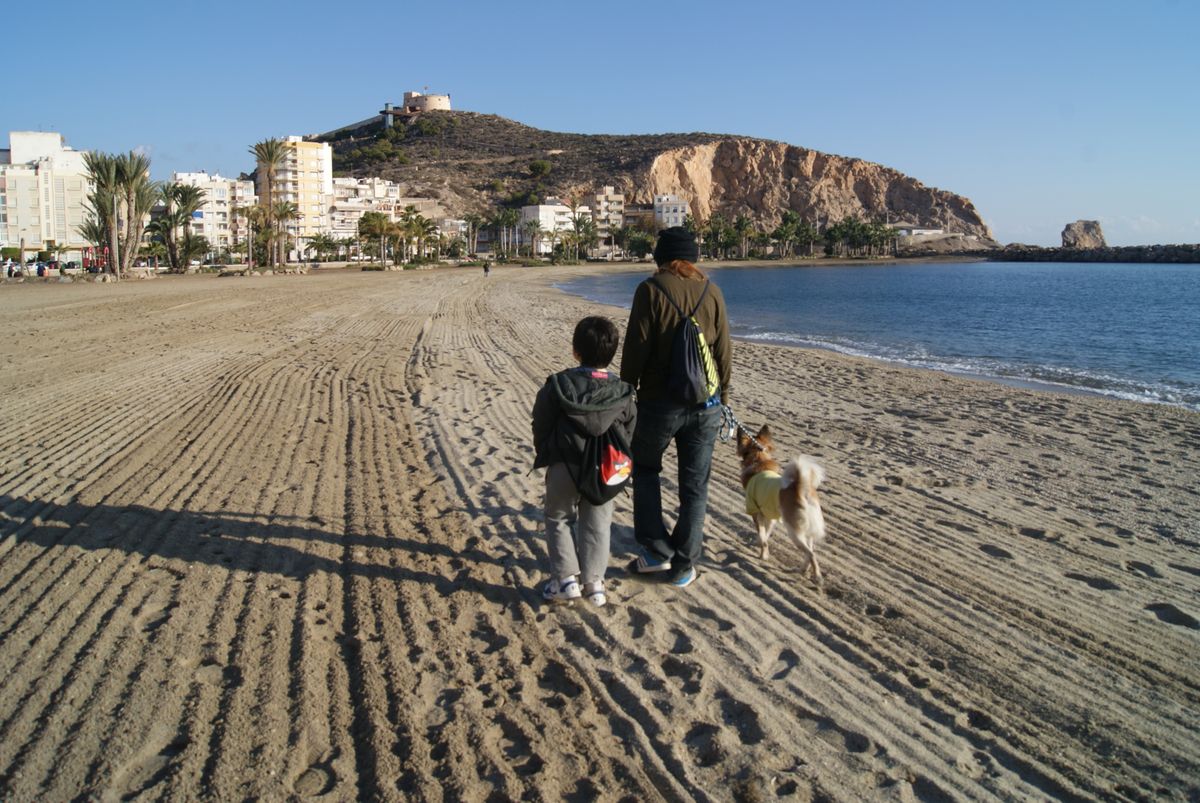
point(566, 590)
point(645, 565)
point(595, 593)
point(683, 579)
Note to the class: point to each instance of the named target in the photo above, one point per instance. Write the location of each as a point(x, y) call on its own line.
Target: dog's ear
point(765, 432)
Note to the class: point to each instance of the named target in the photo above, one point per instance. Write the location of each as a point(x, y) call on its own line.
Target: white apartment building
point(216, 219)
point(553, 216)
point(608, 207)
point(304, 178)
point(43, 193)
point(354, 197)
point(669, 210)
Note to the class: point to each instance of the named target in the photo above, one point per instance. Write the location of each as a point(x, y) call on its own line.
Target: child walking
point(586, 399)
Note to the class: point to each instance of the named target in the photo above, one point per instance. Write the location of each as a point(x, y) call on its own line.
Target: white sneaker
point(595, 593)
point(565, 590)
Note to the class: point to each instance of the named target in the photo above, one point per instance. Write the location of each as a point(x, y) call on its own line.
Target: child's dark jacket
point(591, 398)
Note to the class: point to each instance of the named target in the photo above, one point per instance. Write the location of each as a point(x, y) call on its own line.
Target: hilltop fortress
point(413, 103)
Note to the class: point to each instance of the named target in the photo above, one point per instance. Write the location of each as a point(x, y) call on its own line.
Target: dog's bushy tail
point(804, 475)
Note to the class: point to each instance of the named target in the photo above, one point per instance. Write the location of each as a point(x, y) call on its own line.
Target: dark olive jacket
point(646, 356)
point(593, 399)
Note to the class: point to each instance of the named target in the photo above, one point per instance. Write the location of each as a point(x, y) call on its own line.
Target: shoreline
point(1044, 386)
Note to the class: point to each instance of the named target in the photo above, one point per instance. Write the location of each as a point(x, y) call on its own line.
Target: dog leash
point(730, 424)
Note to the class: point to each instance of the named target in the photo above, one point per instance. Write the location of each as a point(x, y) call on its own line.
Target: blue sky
point(1040, 112)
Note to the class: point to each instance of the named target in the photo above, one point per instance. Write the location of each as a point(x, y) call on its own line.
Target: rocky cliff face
point(1083, 234)
point(762, 178)
point(470, 162)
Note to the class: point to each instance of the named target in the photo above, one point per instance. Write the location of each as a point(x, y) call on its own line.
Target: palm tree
point(123, 185)
point(181, 202)
point(807, 235)
point(428, 231)
point(554, 235)
point(509, 220)
point(375, 225)
point(102, 173)
point(474, 222)
point(786, 231)
point(743, 226)
point(282, 212)
point(269, 155)
point(257, 218)
point(533, 229)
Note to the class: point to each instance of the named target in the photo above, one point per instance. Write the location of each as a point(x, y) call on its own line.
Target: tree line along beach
point(277, 537)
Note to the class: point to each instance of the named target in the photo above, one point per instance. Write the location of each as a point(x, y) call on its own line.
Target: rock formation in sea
point(470, 162)
point(1083, 234)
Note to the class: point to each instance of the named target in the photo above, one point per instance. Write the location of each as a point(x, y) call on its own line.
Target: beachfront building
point(608, 211)
point(915, 230)
point(354, 197)
point(219, 219)
point(553, 217)
point(640, 216)
point(43, 193)
point(305, 178)
point(669, 210)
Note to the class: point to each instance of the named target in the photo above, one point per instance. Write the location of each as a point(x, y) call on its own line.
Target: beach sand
point(277, 538)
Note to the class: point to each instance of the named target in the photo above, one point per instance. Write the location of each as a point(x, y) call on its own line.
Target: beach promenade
point(277, 538)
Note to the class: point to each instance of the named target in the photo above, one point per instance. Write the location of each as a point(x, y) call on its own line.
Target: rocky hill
point(471, 161)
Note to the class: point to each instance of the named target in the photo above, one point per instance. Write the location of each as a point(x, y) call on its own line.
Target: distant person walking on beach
point(487, 268)
point(573, 405)
point(645, 363)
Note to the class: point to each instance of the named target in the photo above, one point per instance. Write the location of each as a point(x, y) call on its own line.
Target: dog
point(788, 494)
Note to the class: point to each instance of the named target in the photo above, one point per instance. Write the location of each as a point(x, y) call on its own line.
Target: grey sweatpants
point(584, 552)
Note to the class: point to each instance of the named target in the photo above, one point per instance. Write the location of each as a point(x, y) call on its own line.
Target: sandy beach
point(277, 538)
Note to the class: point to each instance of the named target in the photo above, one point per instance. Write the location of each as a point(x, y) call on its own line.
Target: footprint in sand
point(1166, 612)
point(995, 551)
point(743, 718)
point(687, 672)
point(885, 612)
point(149, 766)
point(704, 613)
point(683, 644)
point(1179, 567)
point(704, 743)
point(1142, 569)
point(786, 662)
point(212, 673)
point(638, 621)
point(554, 678)
point(515, 744)
point(1098, 583)
point(319, 779)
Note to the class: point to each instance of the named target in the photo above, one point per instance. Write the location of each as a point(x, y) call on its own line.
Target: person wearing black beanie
point(676, 243)
point(677, 286)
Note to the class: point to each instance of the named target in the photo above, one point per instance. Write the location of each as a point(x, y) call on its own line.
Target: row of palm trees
point(512, 236)
point(406, 239)
point(722, 238)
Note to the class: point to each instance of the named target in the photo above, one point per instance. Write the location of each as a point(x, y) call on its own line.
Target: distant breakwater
point(1130, 253)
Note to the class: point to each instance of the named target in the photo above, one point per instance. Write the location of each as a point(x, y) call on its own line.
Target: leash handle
point(730, 424)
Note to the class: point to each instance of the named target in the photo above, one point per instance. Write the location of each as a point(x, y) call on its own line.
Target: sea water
point(1128, 331)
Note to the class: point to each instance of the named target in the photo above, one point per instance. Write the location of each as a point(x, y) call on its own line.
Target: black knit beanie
point(676, 243)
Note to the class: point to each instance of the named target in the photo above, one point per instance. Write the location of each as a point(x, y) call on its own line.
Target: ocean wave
point(1036, 375)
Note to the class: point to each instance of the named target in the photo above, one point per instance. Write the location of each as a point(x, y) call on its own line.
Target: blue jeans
point(694, 431)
